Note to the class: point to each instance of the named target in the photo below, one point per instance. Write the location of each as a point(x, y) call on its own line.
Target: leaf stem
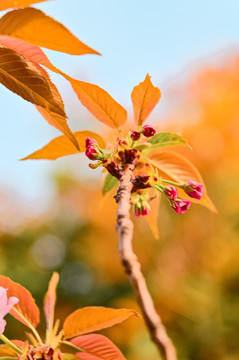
point(171, 183)
point(10, 343)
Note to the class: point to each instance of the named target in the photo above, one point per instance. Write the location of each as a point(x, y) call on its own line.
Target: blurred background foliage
point(192, 269)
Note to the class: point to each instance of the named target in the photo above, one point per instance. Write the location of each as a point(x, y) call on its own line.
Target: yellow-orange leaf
point(50, 300)
point(25, 79)
point(177, 168)
point(7, 351)
point(62, 146)
point(99, 346)
point(56, 120)
point(94, 318)
point(145, 97)
point(7, 4)
point(99, 103)
point(26, 309)
point(35, 27)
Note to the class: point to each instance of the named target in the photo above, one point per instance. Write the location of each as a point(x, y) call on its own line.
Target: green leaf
point(109, 183)
point(142, 146)
point(166, 139)
point(7, 358)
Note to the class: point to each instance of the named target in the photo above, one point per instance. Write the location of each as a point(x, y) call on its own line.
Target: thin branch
point(133, 269)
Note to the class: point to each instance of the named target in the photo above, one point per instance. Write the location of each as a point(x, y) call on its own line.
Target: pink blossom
point(135, 135)
point(171, 192)
point(180, 206)
point(5, 306)
point(148, 131)
point(194, 189)
point(91, 153)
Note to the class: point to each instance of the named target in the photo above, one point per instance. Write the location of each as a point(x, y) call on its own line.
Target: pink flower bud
point(91, 153)
point(141, 211)
point(193, 189)
point(171, 192)
point(89, 141)
point(5, 306)
point(180, 206)
point(148, 131)
point(135, 135)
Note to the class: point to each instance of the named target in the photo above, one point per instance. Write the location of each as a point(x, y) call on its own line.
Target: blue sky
point(167, 39)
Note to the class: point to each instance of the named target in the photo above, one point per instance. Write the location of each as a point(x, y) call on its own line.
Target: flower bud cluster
point(140, 203)
point(191, 188)
point(145, 181)
point(92, 149)
point(146, 130)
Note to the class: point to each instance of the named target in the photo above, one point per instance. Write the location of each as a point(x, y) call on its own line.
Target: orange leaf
point(93, 318)
point(29, 51)
point(145, 97)
point(25, 79)
point(37, 56)
point(50, 300)
point(99, 103)
point(99, 346)
point(177, 168)
point(61, 146)
point(152, 217)
point(7, 4)
point(58, 121)
point(96, 100)
point(26, 309)
point(35, 27)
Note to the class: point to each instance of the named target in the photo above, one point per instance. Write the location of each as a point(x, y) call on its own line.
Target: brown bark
point(133, 269)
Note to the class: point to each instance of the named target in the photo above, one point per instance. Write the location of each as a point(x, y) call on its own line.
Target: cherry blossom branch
point(133, 269)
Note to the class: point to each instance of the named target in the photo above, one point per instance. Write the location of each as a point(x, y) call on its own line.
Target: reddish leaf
point(177, 168)
point(93, 318)
point(26, 309)
point(50, 300)
point(99, 346)
point(35, 27)
point(61, 146)
point(25, 79)
point(85, 356)
point(145, 97)
point(7, 4)
point(99, 103)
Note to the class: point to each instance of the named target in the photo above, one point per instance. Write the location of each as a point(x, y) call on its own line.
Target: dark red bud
point(148, 131)
point(135, 135)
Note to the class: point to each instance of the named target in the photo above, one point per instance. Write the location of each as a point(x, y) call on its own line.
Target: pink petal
point(11, 302)
point(3, 301)
point(2, 325)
